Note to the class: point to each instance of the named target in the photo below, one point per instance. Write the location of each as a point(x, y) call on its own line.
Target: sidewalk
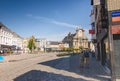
point(95, 70)
point(18, 57)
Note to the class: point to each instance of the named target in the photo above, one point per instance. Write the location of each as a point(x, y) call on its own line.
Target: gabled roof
point(4, 27)
point(8, 30)
point(73, 34)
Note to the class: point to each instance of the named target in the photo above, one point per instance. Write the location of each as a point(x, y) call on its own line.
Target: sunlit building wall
point(76, 40)
point(8, 39)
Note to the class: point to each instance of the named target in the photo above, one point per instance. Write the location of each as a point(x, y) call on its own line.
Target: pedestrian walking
point(86, 58)
point(82, 60)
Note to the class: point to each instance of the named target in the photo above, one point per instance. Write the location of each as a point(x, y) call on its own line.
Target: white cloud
point(64, 24)
point(54, 21)
point(52, 37)
point(59, 37)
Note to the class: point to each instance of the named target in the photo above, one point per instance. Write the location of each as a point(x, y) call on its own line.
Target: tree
point(31, 45)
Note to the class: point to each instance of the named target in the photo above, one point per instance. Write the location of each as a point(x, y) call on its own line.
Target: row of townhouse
point(76, 40)
point(9, 39)
point(46, 46)
point(25, 44)
point(105, 31)
point(55, 46)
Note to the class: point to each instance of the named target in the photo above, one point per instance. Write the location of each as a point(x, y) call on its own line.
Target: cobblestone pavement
point(48, 67)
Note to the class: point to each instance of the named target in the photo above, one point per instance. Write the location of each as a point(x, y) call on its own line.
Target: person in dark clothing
point(82, 60)
point(86, 57)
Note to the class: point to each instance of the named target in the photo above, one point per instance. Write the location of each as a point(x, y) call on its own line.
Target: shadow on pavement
point(70, 64)
point(37, 75)
point(94, 70)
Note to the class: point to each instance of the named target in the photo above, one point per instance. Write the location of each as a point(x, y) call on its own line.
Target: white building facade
point(9, 39)
point(41, 43)
point(5, 36)
point(17, 41)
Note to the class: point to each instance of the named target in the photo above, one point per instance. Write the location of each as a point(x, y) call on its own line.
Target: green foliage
point(67, 54)
point(64, 54)
point(67, 49)
point(31, 45)
point(76, 49)
point(71, 49)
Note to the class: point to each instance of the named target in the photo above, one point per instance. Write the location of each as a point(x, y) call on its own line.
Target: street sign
point(115, 13)
point(91, 31)
point(116, 16)
point(115, 29)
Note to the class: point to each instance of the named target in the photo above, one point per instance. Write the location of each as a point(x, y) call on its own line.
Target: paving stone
point(51, 68)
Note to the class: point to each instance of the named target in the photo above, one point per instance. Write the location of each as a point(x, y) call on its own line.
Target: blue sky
point(50, 19)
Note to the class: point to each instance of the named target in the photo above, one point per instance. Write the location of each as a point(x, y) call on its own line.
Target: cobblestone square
point(48, 67)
